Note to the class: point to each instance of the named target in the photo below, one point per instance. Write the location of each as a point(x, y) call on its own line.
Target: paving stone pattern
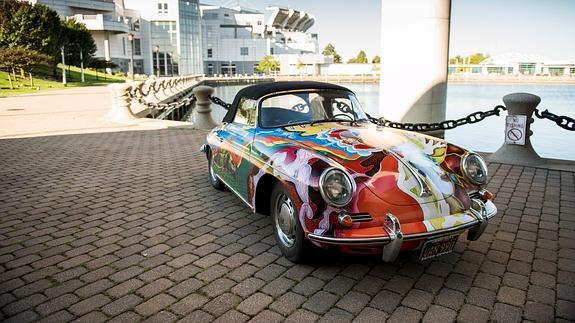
point(125, 227)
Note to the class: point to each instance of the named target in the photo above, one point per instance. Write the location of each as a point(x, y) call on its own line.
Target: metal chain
point(220, 102)
point(443, 125)
point(161, 106)
point(564, 122)
point(141, 91)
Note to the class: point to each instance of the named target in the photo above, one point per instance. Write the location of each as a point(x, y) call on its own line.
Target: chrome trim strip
point(234, 191)
point(490, 210)
point(362, 217)
point(350, 241)
point(442, 232)
point(478, 210)
point(385, 240)
point(424, 189)
point(393, 228)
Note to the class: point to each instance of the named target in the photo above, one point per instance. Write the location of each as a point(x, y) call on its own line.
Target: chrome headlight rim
point(324, 194)
point(466, 173)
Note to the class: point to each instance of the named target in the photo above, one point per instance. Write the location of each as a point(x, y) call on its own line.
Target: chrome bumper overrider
point(481, 211)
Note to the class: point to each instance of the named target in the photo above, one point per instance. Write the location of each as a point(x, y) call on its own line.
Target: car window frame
point(267, 96)
point(255, 125)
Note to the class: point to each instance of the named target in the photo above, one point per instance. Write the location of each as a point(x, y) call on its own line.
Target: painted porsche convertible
point(307, 155)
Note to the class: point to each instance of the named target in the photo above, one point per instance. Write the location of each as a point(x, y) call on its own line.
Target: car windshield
point(303, 107)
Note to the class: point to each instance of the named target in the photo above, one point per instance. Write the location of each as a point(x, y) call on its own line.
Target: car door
point(237, 137)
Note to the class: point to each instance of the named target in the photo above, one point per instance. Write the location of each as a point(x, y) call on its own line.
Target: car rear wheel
point(287, 227)
point(214, 180)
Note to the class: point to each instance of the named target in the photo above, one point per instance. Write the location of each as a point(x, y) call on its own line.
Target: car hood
point(399, 167)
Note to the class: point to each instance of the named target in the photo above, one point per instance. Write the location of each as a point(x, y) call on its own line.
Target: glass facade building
point(175, 39)
point(190, 42)
point(165, 41)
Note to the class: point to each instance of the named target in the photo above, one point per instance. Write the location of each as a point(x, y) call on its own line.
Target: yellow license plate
point(437, 247)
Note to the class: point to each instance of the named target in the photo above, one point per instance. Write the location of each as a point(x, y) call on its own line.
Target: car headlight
point(475, 169)
point(336, 187)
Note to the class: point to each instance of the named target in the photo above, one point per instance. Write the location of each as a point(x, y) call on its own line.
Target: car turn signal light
point(345, 220)
point(486, 195)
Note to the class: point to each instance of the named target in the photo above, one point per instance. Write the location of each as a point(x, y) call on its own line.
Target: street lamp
point(131, 39)
point(82, 64)
point(63, 66)
point(157, 50)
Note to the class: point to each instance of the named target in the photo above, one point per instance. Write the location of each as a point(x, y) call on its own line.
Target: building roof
point(288, 18)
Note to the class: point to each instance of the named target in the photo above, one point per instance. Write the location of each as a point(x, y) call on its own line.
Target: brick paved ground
point(125, 226)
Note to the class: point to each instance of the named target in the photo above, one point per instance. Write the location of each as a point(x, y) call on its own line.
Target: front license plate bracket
point(438, 247)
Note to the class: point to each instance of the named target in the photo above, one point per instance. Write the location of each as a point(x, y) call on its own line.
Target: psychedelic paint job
point(416, 178)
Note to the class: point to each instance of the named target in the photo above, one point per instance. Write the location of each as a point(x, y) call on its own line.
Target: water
point(549, 140)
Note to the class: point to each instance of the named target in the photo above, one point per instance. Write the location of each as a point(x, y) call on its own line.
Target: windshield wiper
point(324, 120)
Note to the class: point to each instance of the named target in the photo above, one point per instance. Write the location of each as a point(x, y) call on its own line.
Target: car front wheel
point(287, 227)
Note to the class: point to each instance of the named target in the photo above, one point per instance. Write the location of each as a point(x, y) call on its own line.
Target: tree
point(268, 64)
point(329, 50)
point(476, 58)
point(7, 9)
point(101, 64)
point(75, 38)
point(361, 58)
point(300, 65)
point(456, 60)
point(22, 58)
point(29, 26)
point(376, 60)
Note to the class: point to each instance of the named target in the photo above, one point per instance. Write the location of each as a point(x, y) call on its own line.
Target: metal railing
point(161, 98)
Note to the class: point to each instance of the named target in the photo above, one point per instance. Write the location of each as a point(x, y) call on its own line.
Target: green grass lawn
point(45, 81)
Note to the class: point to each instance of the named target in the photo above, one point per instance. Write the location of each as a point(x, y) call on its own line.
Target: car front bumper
point(480, 211)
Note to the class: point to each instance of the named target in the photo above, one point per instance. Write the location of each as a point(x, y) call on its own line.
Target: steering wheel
point(299, 107)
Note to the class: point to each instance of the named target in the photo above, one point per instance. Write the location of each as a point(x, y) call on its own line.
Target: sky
point(543, 28)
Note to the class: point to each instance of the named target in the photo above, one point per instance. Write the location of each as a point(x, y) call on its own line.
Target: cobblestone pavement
point(125, 227)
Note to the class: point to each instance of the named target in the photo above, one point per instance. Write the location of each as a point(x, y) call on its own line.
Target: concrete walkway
point(78, 110)
point(125, 226)
point(108, 224)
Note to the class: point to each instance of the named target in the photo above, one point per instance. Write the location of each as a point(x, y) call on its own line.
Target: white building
point(516, 64)
point(234, 40)
point(109, 22)
point(171, 30)
point(166, 33)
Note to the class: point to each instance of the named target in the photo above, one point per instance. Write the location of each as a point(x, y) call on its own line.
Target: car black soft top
point(256, 91)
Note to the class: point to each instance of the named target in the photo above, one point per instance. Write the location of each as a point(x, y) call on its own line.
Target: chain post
point(203, 110)
point(519, 104)
point(121, 99)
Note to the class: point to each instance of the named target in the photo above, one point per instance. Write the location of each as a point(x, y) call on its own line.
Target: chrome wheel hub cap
point(285, 221)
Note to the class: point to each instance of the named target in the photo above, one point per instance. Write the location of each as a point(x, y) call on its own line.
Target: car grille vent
point(361, 217)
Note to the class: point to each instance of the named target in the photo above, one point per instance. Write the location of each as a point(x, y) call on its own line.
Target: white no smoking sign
point(515, 129)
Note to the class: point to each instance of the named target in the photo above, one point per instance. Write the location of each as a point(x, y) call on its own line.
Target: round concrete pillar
point(135, 105)
point(120, 111)
point(414, 58)
point(203, 109)
point(522, 104)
